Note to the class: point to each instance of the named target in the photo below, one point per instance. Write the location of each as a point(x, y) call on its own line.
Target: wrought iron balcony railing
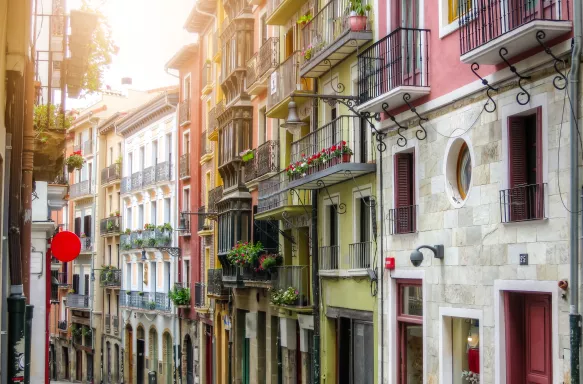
point(212, 121)
point(63, 279)
point(287, 79)
point(403, 220)
point(81, 189)
point(86, 244)
point(204, 147)
point(207, 75)
point(359, 255)
point(110, 174)
point(149, 301)
point(62, 325)
point(251, 274)
point(107, 322)
point(163, 171)
point(251, 76)
point(140, 239)
point(329, 257)
point(184, 165)
point(126, 185)
point(115, 323)
point(523, 203)
point(215, 283)
point(136, 181)
point(330, 23)
point(204, 223)
point(266, 59)
point(110, 278)
point(231, 274)
point(215, 195)
point(149, 176)
point(482, 21)
point(88, 148)
point(398, 59)
point(265, 160)
point(274, 194)
point(110, 226)
point(296, 276)
point(184, 112)
point(200, 295)
point(78, 301)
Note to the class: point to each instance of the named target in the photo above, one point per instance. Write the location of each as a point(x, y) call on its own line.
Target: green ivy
point(180, 296)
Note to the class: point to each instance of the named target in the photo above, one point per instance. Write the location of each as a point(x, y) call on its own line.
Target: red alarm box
point(389, 263)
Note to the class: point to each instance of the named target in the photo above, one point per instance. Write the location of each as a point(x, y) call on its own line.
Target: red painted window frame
point(402, 321)
point(401, 208)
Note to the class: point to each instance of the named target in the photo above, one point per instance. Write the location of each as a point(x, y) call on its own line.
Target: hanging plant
point(180, 296)
point(267, 262)
point(151, 304)
point(75, 161)
point(86, 331)
point(284, 296)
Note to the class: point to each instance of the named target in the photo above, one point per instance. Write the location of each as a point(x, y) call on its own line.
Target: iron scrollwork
point(422, 131)
point(401, 141)
point(560, 78)
point(503, 52)
point(372, 205)
point(172, 251)
point(474, 67)
point(340, 208)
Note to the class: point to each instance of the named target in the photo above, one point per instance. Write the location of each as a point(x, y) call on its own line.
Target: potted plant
point(71, 290)
point(180, 296)
point(471, 377)
point(358, 16)
point(138, 243)
point(149, 227)
point(116, 212)
point(83, 235)
point(111, 214)
point(151, 304)
point(244, 254)
point(167, 227)
point(140, 293)
point(308, 52)
point(346, 152)
point(75, 161)
point(247, 155)
point(127, 231)
point(128, 293)
point(305, 19)
point(86, 331)
point(287, 296)
point(269, 261)
point(151, 242)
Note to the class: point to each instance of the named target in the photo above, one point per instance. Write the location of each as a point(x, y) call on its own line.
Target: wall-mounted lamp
point(417, 256)
point(144, 258)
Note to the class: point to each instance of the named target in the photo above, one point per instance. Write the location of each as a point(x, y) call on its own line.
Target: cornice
point(152, 111)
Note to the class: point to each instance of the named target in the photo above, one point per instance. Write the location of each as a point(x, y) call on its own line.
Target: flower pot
point(346, 157)
point(357, 23)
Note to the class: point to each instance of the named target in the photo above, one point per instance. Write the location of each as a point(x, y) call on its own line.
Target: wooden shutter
point(87, 285)
point(514, 336)
point(77, 226)
point(76, 283)
point(539, 189)
point(404, 192)
point(87, 225)
point(538, 348)
point(517, 168)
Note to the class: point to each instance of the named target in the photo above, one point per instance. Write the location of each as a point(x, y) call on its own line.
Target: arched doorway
point(117, 364)
point(140, 351)
point(130, 352)
point(108, 359)
point(168, 371)
point(153, 341)
point(189, 360)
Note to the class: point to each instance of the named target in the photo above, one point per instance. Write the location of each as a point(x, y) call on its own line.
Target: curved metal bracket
point(340, 208)
point(503, 52)
point(540, 36)
point(422, 131)
point(255, 223)
point(270, 222)
point(474, 67)
point(401, 141)
point(340, 87)
point(293, 192)
point(172, 251)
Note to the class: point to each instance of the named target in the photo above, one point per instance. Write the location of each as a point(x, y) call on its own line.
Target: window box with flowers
point(289, 296)
point(327, 157)
point(247, 155)
point(245, 254)
point(75, 161)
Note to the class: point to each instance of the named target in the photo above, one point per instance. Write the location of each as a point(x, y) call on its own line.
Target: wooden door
point(79, 365)
point(405, 47)
point(209, 354)
point(66, 362)
point(140, 364)
point(130, 357)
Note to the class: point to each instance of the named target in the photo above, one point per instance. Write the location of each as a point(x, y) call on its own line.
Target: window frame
point(403, 320)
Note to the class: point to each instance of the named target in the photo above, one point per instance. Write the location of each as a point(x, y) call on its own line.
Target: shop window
point(461, 350)
point(410, 331)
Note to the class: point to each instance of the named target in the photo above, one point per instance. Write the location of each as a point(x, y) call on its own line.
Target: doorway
point(189, 361)
point(141, 346)
point(130, 354)
point(528, 326)
point(208, 337)
point(79, 365)
point(66, 362)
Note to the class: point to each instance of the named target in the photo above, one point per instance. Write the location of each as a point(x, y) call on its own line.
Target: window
point(333, 225)
point(263, 28)
point(166, 210)
point(186, 88)
point(410, 331)
point(526, 194)
point(262, 126)
point(153, 213)
point(464, 171)
point(141, 216)
point(460, 346)
point(186, 199)
point(528, 337)
point(355, 354)
point(403, 216)
point(186, 271)
point(128, 218)
point(453, 7)
point(111, 156)
point(154, 152)
point(109, 253)
point(186, 143)
point(142, 158)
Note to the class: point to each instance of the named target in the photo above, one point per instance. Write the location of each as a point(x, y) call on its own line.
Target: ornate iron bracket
point(290, 224)
point(340, 87)
point(503, 52)
point(172, 251)
point(422, 131)
point(401, 141)
point(540, 36)
point(372, 202)
point(474, 67)
point(255, 223)
point(271, 221)
point(340, 208)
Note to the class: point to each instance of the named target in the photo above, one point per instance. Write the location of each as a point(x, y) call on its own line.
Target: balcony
point(523, 203)
point(253, 277)
point(62, 326)
point(215, 288)
point(331, 38)
point(184, 166)
point(216, 50)
point(110, 278)
point(329, 258)
point(280, 11)
point(155, 174)
point(343, 148)
point(231, 274)
point(392, 67)
point(86, 244)
point(486, 26)
point(107, 319)
point(55, 264)
point(115, 323)
point(88, 148)
point(205, 149)
point(110, 174)
point(110, 226)
point(207, 78)
point(265, 162)
point(212, 125)
point(200, 295)
point(147, 301)
point(80, 190)
point(126, 185)
point(287, 80)
point(132, 183)
point(78, 301)
point(205, 227)
point(360, 255)
point(403, 220)
point(138, 240)
point(261, 66)
point(298, 277)
point(63, 280)
point(215, 195)
point(54, 293)
point(184, 112)
point(275, 199)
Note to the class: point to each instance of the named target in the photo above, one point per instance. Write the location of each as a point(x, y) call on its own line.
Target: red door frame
point(402, 321)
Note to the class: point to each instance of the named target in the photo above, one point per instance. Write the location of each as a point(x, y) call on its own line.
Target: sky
point(148, 33)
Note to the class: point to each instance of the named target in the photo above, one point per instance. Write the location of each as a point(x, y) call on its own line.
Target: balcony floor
point(394, 98)
point(333, 175)
point(517, 41)
point(336, 52)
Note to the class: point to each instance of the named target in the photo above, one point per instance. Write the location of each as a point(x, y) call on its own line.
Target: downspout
point(382, 277)
point(315, 267)
point(574, 316)
point(93, 179)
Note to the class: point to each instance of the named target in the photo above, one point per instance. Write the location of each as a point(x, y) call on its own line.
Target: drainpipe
point(5, 272)
point(574, 316)
point(315, 268)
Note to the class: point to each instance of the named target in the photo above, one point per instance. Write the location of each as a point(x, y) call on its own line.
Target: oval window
point(464, 171)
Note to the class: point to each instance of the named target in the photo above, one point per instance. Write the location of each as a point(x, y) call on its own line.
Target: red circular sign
point(65, 246)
